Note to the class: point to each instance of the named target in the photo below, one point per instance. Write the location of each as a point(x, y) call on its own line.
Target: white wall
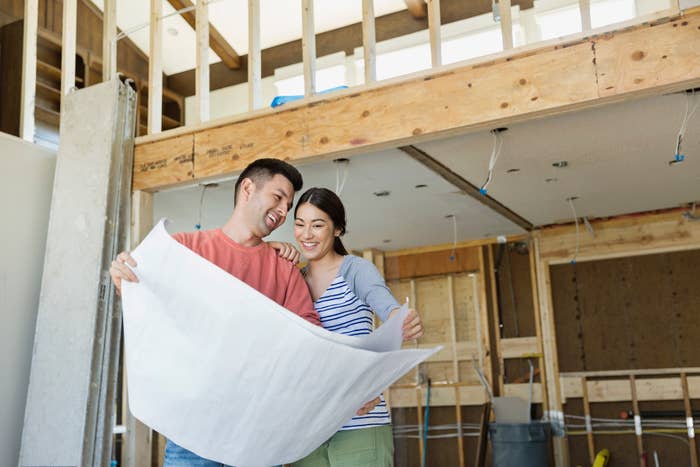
point(26, 183)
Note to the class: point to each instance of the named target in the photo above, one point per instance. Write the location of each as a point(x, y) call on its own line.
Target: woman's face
point(314, 232)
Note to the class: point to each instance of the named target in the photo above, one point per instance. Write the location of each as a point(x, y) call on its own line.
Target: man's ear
point(247, 188)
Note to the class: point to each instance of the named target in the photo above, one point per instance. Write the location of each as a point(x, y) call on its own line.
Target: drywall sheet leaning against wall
point(231, 375)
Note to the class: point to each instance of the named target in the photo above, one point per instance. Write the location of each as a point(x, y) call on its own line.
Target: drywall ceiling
point(280, 22)
point(407, 217)
point(618, 161)
point(617, 164)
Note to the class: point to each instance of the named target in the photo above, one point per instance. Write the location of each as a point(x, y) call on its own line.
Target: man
point(263, 196)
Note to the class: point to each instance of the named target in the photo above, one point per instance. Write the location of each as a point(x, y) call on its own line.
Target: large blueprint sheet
point(231, 375)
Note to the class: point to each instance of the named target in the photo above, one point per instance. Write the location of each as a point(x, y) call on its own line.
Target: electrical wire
point(453, 255)
point(198, 225)
point(340, 181)
point(495, 152)
point(573, 211)
point(689, 112)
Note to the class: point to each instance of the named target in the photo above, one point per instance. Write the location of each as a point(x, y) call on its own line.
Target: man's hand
point(119, 271)
point(412, 326)
point(286, 251)
point(369, 406)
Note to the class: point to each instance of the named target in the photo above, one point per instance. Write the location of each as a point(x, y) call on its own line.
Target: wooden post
point(29, 37)
point(202, 70)
point(109, 40)
point(538, 325)
point(584, 7)
point(587, 413)
point(453, 325)
point(496, 324)
point(458, 416)
point(434, 29)
point(637, 421)
point(506, 23)
point(68, 45)
point(308, 45)
point(549, 348)
point(136, 445)
point(419, 413)
point(155, 69)
point(483, 321)
point(254, 56)
point(369, 41)
point(690, 422)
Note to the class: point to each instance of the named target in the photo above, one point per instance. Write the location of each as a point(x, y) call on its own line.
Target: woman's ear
point(337, 232)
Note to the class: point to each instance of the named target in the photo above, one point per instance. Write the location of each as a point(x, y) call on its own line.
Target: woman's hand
point(412, 326)
point(368, 407)
point(119, 271)
point(286, 251)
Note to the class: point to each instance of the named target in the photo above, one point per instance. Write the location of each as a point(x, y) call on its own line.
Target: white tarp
point(231, 375)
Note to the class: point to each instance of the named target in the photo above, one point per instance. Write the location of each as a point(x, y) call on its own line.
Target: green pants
point(366, 447)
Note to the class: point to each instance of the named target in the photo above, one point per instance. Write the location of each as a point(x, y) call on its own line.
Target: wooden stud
point(506, 23)
point(549, 81)
point(587, 413)
point(202, 98)
point(635, 409)
point(453, 326)
point(584, 7)
point(434, 31)
point(495, 318)
point(369, 41)
point(460, 435)
point(29, 39)
point(538, 324)
point(413, 301)
point(483, 320)
point(155, 69)
point(419, 413)
point(217, 42)
point(690, 419)
point(136, 442)
point(68, 45)
point(308, 45)
point(254, 56)
point(109, 40)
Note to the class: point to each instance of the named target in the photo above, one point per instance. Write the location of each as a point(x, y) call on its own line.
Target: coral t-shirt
point(258, 266)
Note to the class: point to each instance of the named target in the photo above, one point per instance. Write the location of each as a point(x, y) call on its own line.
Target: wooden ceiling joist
point(646, 60)
point(465, 186)
point(217, 42)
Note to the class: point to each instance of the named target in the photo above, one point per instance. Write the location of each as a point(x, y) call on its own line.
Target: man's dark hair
point(262, 170)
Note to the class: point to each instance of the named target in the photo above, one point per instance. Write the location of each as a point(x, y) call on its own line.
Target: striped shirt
point(346, 307)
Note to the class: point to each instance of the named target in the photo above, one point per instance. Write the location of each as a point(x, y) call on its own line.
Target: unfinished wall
point(26, 182)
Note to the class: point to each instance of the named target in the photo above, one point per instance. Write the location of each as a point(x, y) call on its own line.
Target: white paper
point(229, 374)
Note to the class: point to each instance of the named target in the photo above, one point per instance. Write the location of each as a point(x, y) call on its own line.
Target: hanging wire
point(573, 211)
point(342, 165)
point(689, 112)
point(453, 255)
point(495, 152)
point(198, 225)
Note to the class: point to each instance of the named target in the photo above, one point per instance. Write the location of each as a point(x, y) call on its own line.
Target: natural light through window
point(559, 22)
point(326, 78)
point(605, 12)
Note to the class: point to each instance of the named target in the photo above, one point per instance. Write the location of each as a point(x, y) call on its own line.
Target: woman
point(345, 290)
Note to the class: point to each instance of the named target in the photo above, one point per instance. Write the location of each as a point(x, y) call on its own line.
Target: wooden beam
point(155, 69)
point(308, 45)
point(453, 326)
point(506, 23)
point(216, 41)
point(464, 185)
point(109, 40)
point(28, 98)
point(629, 235)
point(254, 56)
point(434, 32)
point(546, 81)
point(538, 321)
point(202, 95)
point(497, 330)
point(136, 442)
point(587, 413)
point(417, 8)
point(689, 421)
point(668, 388)
point(369, 41)
point(68, 45)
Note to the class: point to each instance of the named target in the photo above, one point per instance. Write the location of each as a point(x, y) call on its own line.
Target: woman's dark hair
point(328, 202)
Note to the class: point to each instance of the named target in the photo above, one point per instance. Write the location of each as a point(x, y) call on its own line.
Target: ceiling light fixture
point(381, 194)
point(512, 171)
point(421, 185)
point(560, 164)
point(172, 31)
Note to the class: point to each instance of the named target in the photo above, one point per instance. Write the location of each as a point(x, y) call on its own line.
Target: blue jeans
point(177, 456)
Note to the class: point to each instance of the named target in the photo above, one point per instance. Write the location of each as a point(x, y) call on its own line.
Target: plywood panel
point(431, 263)
point(176, 156)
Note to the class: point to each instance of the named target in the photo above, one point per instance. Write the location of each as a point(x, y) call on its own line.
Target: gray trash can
point(520, 445)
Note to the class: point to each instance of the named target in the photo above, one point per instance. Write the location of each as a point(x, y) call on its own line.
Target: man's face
point(269, 202)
